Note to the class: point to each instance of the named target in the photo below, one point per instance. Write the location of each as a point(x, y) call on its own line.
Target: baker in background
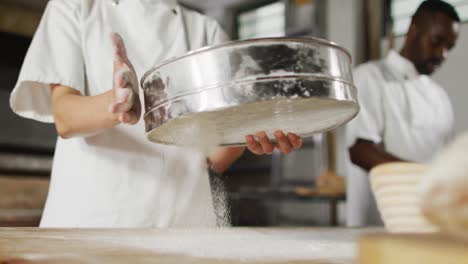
point(405, 115)
point(105, 172)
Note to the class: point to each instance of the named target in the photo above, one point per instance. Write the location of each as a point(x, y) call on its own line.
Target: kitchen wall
point(346, 27)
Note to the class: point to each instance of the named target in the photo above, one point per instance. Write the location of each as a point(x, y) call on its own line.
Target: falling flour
point(200, 136)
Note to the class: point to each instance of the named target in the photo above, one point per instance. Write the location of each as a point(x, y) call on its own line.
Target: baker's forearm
point(77, 115)
point(222, 158)
point(367, 155)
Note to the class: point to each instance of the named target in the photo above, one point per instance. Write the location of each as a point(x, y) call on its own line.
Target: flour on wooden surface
point(245, 245)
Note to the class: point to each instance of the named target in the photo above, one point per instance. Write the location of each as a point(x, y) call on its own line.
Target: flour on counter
point(215, 245)
point(245, 245)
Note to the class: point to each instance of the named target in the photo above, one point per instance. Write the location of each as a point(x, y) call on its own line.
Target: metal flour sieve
point(301, 85)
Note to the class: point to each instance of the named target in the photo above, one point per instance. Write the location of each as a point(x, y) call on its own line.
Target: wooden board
point(411, 249)
point(135, 246)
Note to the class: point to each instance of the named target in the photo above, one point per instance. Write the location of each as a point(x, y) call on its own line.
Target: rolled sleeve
point(54, 56)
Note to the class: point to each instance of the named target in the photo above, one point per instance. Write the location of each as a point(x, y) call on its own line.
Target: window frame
point(237, 11)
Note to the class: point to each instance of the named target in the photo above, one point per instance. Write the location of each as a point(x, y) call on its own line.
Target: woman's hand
point(221, 159)
point(126, 101)
point(285, 143)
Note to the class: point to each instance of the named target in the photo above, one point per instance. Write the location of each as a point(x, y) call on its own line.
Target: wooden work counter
point(230, 245)
point(412, 248)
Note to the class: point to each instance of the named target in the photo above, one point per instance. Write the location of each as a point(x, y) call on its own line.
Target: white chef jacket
point(409, 113)
point(116, 178)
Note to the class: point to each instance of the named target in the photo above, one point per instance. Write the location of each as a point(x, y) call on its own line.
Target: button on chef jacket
point(116, 178)
point(409, 113)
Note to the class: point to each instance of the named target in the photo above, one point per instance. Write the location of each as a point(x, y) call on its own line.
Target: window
point(264, 21)
point(402, 10)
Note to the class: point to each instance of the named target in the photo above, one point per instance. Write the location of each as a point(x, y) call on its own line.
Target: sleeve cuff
point(31, 98)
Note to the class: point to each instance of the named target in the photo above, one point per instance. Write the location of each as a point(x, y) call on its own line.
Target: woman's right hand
point(126, 101)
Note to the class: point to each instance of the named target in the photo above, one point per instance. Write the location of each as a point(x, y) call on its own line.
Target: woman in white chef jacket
point(405, 115)
point(105, 174)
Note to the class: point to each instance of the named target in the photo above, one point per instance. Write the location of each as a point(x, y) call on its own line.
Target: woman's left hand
point(263, 145)
point(126, 101)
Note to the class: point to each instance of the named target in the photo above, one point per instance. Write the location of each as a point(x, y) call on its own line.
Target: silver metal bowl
point(301, 85)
